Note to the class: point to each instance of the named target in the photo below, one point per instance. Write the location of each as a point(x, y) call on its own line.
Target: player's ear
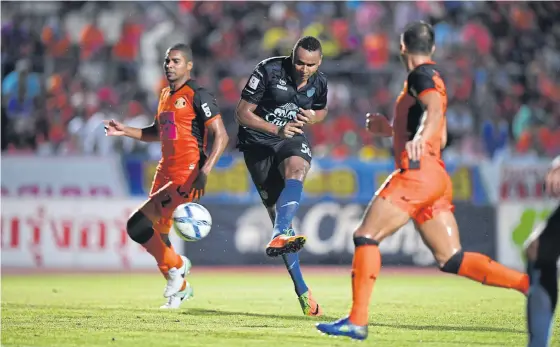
point(433, 49)
point(190, 65)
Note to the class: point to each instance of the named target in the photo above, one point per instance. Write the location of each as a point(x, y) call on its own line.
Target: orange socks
point(178, 258)
point(166, 257)
point(481, 268)
point(365, 268)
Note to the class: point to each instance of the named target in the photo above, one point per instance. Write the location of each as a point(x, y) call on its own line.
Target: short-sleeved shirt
point(182, 119)
point(275, 93)
point(409, 110)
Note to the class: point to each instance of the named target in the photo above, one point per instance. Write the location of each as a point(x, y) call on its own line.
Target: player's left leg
point(440, 233)
point(543, 250)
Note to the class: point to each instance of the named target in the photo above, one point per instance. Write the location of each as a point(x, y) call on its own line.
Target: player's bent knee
point(139, 228)
point(364, 241)
point(297, 173)
point(374, 234)
point(453, 265)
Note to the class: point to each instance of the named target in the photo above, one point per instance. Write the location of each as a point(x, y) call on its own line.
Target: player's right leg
point(293, 159)
point(381, 219)
point(543, 250)
point(402, 194)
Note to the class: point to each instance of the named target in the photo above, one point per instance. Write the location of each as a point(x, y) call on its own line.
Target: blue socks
point(292, 264)
point(287, 206)
point(541, 302)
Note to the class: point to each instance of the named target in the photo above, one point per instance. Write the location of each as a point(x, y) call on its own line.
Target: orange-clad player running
point(420, 189)
point(186, 113)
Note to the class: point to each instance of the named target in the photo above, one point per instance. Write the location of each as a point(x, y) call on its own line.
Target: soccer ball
point(191, 221)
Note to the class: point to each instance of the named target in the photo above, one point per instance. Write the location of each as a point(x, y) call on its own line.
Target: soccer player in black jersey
point(543, 251)
point(281, 96)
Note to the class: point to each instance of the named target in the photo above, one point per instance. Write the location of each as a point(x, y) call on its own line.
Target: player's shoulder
point(424, 77)
point(272, 64)
point(165, 92)
point(197, 89)
point(321, 79)
point(429, 69)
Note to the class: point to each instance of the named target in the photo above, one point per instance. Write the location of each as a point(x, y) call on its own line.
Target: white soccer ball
point(191, 221)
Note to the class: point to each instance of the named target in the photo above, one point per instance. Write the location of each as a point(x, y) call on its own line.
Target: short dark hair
point(419, 38)
point(309, 43)
point(183, 48)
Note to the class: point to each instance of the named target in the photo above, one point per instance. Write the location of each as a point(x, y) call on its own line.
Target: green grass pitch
point(253, 309)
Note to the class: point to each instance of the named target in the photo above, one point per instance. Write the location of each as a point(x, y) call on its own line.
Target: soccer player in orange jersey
point(186, 113)
point(420, 189)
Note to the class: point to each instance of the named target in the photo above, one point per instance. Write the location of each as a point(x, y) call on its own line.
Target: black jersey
point(423, 78)
point(275, 93)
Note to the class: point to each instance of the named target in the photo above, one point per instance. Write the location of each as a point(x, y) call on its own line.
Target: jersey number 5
point(305, 149)
point(206, 110)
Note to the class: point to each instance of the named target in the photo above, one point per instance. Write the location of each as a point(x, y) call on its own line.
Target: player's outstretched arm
point(147, 134)
point(245, 116)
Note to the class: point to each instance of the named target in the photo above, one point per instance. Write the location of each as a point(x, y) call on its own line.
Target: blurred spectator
point(69, 66)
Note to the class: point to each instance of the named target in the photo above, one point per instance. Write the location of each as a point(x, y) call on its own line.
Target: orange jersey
point(410, 112)
point(182, 119)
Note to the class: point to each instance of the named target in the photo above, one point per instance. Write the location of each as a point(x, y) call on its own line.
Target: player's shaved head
point(418, 38)
point(185, 50)
point(309, 43)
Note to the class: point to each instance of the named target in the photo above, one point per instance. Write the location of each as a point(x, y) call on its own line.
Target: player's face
point(306, 63)
point(175, 65)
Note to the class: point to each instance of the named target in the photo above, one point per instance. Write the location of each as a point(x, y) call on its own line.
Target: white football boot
point(175, 300)
point(175, 278)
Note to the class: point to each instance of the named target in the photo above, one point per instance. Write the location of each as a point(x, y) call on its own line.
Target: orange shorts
point(421, 193)
point(169, 193)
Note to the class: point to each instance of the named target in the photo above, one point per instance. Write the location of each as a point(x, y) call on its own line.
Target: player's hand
point(553, 182)
point(378, 124)
point(307, 116)
point(113, 128)
point(415, 148)
point(198, 186)
point(290, 130)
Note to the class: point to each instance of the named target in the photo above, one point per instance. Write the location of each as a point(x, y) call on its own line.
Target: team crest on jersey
point(311, 92)
point(180, 103)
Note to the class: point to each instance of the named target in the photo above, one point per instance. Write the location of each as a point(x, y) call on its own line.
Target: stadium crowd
point(68, 65)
